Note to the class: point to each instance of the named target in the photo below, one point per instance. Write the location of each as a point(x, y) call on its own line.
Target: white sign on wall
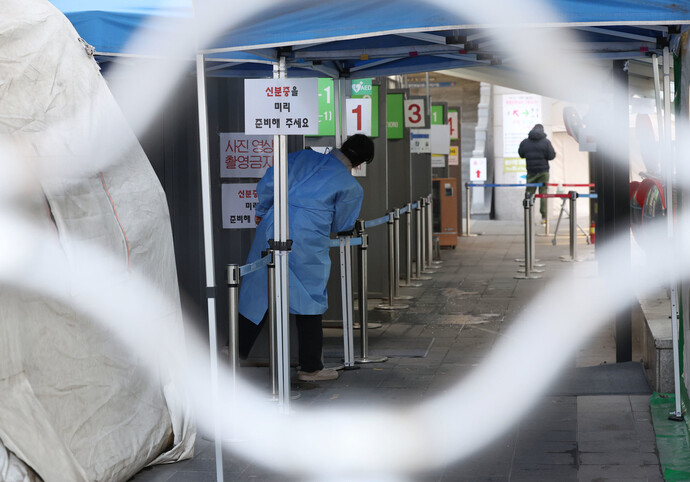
point(281, 106)
point(415, 116)
point(438, 160)
point(520, 113)
point(420, 141)
point(358, 116)
point(454, 156)
point(477, 169)
point(238, 205)
point(440, 139)
point(245, 156)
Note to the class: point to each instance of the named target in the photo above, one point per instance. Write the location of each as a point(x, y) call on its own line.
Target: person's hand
point(257, 220)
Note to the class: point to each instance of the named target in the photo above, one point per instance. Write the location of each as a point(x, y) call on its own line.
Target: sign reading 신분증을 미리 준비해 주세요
point(239, 205)
point(281, 106)
point(242, 155)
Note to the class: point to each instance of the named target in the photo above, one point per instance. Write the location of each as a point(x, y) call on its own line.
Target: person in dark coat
point(537, 151)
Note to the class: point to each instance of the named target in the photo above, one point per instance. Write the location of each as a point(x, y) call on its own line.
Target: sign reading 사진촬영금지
point(243, 155)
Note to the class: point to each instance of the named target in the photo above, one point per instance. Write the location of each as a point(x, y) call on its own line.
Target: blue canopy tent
point(337, 39)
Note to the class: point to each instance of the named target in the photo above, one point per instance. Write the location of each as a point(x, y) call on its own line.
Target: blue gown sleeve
point(264, 191)
point(348, 203)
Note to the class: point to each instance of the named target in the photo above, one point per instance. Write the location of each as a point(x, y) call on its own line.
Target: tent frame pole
point(209, 255)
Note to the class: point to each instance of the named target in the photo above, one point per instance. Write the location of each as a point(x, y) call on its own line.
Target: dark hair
point(358, 149)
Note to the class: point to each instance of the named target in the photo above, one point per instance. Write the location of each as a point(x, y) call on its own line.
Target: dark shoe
point(317, 376)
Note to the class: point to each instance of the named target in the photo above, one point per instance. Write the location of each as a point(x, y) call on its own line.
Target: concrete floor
point(471, 302)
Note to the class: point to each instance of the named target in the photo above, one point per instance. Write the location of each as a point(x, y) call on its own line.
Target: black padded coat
point(537, 150)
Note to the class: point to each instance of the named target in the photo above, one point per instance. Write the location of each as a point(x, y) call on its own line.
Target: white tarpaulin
point(75, 405)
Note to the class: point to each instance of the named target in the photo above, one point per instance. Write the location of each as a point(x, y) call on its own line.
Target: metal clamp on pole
point(233, 271)
point(527, 205)
point(396, 252)
point(272, 326)
point(346, 296)
point(419, 225)
point(363, 304)
point(408, 251)
point(391, 269)
point(573, 227)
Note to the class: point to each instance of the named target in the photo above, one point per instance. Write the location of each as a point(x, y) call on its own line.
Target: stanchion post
point(532, 237)
point(573, 225)
point(363, 304)
point(233, 272)
point(396, 252)
point(422, 229)
point(467, 209)
point(272, 326)
point(391, 268)
point(419, 235)
point(527, 205)
point(429, 232)
point(408, 248)
point(346, 291)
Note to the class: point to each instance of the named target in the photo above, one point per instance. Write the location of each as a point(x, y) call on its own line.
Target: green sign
point(437, 115)
point(394, 116)
point(361, 88)
point(326, 108)
point(374, 96)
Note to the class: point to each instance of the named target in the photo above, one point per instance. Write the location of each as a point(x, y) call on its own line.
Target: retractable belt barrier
point(572, 196)
point(344, 243)
point(468, 185)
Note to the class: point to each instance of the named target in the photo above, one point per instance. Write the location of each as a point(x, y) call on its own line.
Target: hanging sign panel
point(438, 160)
point(239, 203)
point(374, 96)
point(520, 113)
point(281, 106)
point(437, 115)
point(453, 123)
point(245, 156)
point(415, 116)
point(478, 169)
point(420, 141)
point(326, 107)
point(358, 116)
point(394, 116)
point(440, 139)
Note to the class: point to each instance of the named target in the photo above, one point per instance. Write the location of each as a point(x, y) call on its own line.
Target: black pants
point(309, 339)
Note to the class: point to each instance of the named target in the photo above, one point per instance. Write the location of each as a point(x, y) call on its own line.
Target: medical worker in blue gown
point(323, 198)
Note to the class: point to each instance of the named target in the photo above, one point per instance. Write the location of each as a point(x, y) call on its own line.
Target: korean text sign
point(245, 156)
point(281, 106)
point(239, 203)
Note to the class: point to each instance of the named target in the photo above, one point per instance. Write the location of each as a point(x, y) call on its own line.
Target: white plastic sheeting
point(74, 404)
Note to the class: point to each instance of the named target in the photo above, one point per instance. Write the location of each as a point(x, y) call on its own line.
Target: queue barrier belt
point(335, 243)
point(256, 265)
point(414, 206)
point(553, 184)
point(403, 210)
point(531, 184)
point(376, 222)
point(565, 196)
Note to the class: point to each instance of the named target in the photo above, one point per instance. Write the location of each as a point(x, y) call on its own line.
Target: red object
point(592, 233)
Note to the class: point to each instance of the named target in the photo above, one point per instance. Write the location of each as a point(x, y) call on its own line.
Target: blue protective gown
point(323, 197)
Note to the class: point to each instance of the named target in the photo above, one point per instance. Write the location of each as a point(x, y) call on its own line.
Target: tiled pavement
point(468, 305)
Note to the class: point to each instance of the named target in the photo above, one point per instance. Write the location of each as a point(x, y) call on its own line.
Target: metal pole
point(670, 219)
point(408, 250)
point(337, 100)
point(282, 249)
point(396, 252)
point(527, 205)
point(363, 304)
point(391, 269)
point(573, 225)
point(467, 209)
point(233, 272)
point(273, 327)
point(430, 235)
point(206, 204)
point(419, 230)
point(346, 297)
point(422, 229)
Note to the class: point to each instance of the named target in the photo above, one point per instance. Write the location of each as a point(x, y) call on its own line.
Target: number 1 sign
point(358, 118)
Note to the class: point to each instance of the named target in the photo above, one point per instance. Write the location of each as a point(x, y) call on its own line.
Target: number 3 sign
point(414, 113)
point(358, 116)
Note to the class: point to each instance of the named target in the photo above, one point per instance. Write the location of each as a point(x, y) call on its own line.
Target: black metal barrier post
point(431, 263)
point(527, 203)
point(391, 268)
point(408, 251)
point(363, 304)
point(233, 272)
